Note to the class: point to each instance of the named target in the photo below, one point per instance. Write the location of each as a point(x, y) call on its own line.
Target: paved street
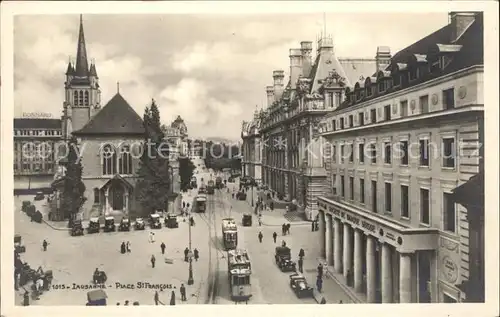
point(73, 260)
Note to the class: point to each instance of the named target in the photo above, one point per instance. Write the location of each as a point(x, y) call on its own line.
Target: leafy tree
point(73, 187)
point(186, 171)
point(154, 183)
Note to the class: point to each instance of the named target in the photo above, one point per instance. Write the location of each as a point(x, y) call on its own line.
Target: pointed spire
point(70, 70)
point(93, 70)
point(118, 88)
point(82, 66)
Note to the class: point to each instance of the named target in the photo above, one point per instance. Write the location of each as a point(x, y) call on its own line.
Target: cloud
point(211, 70)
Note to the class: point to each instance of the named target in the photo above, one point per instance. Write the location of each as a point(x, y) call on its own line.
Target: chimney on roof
point(325, 44)
point(295, 66)
point(460, 21)
point(306, 49)
point(383, 57)
point(278, 76)
point(270, 95)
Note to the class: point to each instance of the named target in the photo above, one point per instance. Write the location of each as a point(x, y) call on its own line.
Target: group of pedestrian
point(125, 247)
point(196, 254)
point(182, 290)
point(285, 229)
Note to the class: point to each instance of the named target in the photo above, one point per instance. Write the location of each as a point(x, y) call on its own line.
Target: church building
point(108, 138)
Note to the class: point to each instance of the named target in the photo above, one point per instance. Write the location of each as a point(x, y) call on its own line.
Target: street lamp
point(190, 278)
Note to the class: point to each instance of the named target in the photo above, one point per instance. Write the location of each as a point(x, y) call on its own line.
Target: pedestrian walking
point(183, 293)
point(191, 221)
point(260, 236)
point(26, 298)
point(128, 247)
point(288, 226)
point(186, 252)
point(183, 204)
point(312, 226)
point(260, 220)
point(300, 262)
point(163, 246)
point(153, 261)
point(301, 253)
point(44, 245)
point(275, 235)
point(320, 270)
point(187, 205)
point(196, 254)
point(283, 231)
point(283, 243)
point(123, 248)
point(126, 303)
point(157, 298)
point(319, 283)
point(152, 237)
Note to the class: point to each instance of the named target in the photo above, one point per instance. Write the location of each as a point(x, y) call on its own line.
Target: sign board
point(37, 115)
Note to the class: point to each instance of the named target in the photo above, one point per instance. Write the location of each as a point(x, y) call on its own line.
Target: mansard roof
point(325, 62)
point(117, 117)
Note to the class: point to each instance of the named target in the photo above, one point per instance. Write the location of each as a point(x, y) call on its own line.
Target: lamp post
point(252, 195)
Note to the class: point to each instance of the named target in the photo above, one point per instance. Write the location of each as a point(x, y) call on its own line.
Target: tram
point(201, 203)
point(229, 233)
point(239, 272)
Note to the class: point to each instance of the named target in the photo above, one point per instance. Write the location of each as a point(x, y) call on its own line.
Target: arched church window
point(108, 155)
point(86, 98)
point(75, 98)
point(80, 98)
point(97, 196)
point(125, 160)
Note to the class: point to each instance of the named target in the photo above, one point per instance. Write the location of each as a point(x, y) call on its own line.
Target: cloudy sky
point(211, 70)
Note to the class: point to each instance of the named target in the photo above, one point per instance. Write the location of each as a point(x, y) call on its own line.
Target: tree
point(186, 171)
point(73, 187)
point(154, 185)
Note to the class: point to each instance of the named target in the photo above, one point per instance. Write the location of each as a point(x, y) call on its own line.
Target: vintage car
point(37, 216)
point(299, 285)
point(241, 195)
point(124, 224)
point(94, 225)
point(39, 196)
point(283, 259)
point(154, 221)
point(139, 224)
point(77, 228)
point(247, 220)
point(96, 297)
point(171, 221)
point(109, 224)
point(18, 247)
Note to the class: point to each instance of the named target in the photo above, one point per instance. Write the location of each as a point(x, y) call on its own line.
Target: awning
point(471, 193)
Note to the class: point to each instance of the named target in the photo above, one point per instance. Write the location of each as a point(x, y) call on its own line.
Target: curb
point(53, 227)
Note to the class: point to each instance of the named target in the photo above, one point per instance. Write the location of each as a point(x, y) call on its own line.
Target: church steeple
point(82, 66)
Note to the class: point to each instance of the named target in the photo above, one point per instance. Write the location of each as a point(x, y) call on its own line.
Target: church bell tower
point(82, 92)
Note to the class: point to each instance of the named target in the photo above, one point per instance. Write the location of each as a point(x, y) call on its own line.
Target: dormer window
point(381, 86)
point(413, 73)
point(369, 91)
point(397, 80)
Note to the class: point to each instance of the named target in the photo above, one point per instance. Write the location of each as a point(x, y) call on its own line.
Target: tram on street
point(201, 203)
point(210, 187)
point(229, 233)
point(239, 272)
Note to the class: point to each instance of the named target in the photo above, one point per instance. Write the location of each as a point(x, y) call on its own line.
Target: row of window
point(449, 210)
point(398, 78)
point(37, 167)
point(399, 151)
point(37, 132)
point(348, 122)
point(81, 98)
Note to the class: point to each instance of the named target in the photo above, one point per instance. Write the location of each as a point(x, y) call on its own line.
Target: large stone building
point(251, 163)
point(34, 142)
point(288, 128)
point(398, 145)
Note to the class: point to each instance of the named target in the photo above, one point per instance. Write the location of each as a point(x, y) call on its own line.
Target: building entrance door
point(118, 196)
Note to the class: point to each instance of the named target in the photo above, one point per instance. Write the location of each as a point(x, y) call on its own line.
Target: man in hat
point(153, 261)
point(163, 246)
point(183, 293)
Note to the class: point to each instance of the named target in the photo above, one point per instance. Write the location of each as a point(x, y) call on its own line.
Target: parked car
point(39, 196)
point(96, 297)
point(77, 228)
point(154, 221)
point(283, 259)
point(124, 224)
point(247, 220)
point(298, 284)
point(139, 224)
point(94, 225)
point(109, 224)
point(171, 221)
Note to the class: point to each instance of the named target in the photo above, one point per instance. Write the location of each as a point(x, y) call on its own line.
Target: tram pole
point(190, 278)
